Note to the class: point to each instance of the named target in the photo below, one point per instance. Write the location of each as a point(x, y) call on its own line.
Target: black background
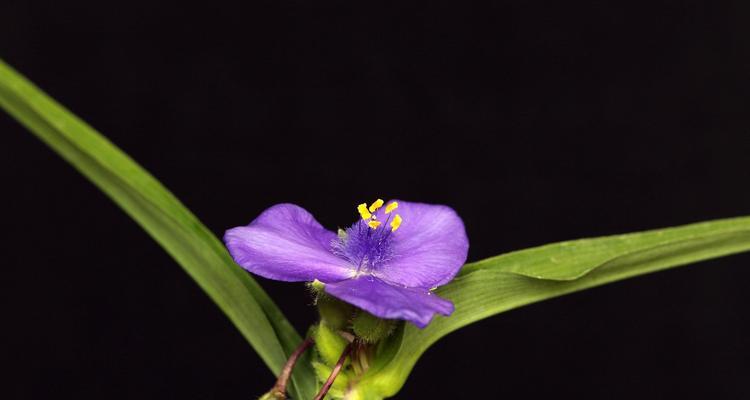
point(537, 121)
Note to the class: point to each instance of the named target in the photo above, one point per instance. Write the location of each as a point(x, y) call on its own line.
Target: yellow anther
point(396, 223)
point(390, 207)
point(376, 204)
point(374, 224)
point(362, 208)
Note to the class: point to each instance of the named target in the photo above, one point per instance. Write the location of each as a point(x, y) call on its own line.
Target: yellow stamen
point(396, 223)
point(374, 224)
point(391, 207)
point(375, 205)
point(362, 208)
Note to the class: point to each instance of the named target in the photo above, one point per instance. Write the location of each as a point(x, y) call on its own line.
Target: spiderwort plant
point(380, 270)
point(385, 265)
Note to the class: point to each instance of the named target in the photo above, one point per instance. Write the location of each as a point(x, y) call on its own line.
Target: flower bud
point(329, 344)
point(370, 328)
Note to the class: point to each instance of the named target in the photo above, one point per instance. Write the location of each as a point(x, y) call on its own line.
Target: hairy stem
point(334, 373)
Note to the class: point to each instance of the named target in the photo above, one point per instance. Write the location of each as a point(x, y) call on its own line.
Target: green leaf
point(172, 225)
point(512, 280)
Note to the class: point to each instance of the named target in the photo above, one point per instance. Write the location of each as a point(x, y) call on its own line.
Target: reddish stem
point(334, 373)
point(280, 387)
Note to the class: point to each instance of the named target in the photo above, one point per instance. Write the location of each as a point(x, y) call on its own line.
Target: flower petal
point(390, 302)
point(429, 248)
point(286, 243)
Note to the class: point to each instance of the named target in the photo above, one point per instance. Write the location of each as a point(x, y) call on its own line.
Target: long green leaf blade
point(159, 212)
point(512, 280)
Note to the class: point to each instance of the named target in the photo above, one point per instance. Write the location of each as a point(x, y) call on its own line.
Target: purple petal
point(429, 248)
point(390, 302)
point(286, 243)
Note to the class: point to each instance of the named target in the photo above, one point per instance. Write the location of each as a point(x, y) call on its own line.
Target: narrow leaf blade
point(512, 280)
point(170, 223)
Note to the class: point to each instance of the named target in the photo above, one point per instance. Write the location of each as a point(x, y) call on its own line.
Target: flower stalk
point(334, 373)
point(278, 392)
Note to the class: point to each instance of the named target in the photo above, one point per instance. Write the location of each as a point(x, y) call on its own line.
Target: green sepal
point(370, 328)
point(333, 312)
point(316, 286)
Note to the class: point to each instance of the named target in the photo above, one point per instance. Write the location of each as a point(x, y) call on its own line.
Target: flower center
point(367, 243)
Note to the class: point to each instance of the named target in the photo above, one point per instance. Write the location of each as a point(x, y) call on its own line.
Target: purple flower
point(386, 263)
